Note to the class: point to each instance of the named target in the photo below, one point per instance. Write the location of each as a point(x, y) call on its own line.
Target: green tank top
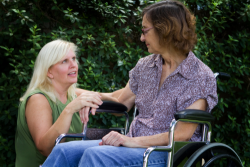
point(26, 151)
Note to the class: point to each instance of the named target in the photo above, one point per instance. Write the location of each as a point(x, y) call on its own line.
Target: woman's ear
point(49, 74)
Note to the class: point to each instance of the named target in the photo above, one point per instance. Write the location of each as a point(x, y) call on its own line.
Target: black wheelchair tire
point(224, 149)
point(230, 157)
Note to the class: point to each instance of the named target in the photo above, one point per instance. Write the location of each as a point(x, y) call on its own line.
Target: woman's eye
point(64, 61)
point(74, 58)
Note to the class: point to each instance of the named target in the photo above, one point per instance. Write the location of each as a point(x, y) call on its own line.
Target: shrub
point(107, 33)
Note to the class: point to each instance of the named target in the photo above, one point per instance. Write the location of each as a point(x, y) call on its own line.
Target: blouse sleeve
point(200, 89)
point(134, 77)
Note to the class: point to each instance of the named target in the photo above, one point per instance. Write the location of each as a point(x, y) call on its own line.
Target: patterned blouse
point(192, 80)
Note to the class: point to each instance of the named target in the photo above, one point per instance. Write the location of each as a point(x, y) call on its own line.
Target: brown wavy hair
point(174, 24)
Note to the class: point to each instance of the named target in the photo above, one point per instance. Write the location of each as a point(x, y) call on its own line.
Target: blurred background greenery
point(107, 33)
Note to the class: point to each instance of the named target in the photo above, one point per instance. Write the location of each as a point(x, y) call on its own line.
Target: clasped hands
point(93, 100)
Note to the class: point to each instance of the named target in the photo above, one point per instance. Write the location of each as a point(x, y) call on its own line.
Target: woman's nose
point(142, 38)
point(73, 63)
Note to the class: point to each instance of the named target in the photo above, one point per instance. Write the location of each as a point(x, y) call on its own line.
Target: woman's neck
point(61, 92)
point(173, 58)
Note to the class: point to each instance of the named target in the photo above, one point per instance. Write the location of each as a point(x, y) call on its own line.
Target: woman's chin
point(152, 52)
point(73, 82)
point(149, 51)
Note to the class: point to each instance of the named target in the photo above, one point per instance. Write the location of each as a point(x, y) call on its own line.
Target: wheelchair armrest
point(192, 114)
point(112, 107)
point(68, 135)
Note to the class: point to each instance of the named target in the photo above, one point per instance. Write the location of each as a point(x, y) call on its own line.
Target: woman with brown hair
point(169, 80)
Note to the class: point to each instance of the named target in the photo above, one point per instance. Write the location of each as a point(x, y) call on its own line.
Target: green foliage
point(107, 33)
point(223, 44)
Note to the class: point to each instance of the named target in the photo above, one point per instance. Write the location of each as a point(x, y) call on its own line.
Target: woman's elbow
point(182, 137)
point(45, 151)
point(187, 138)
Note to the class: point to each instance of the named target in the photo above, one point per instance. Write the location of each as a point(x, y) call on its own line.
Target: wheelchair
point(184, 153)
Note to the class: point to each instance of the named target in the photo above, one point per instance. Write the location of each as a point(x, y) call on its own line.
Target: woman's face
point(64, 72)
point(150, 37)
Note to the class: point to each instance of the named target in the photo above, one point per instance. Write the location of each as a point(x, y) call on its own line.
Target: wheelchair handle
point(222, 75)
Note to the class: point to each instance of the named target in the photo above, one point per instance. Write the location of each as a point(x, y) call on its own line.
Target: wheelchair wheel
point(212, 154)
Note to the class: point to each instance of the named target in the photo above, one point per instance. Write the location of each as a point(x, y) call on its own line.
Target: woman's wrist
point(79, 91)
point(138, 142)
point(106, 96)
point(68, 110)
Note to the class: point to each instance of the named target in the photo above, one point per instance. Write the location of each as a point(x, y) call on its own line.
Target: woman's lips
point(72, 74)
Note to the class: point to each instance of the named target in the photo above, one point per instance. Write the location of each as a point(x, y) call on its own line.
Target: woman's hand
point(117, 139)
point(84, 102)
point(84, 114)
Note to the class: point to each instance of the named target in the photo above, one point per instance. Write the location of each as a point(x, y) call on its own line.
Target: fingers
point(86, 115)
point(113, 139)
point(84, 102)
point(117, 140)
point(89, 104)
point(89, 99)
point(81, 113)
point(93, 111)
point(93, 97)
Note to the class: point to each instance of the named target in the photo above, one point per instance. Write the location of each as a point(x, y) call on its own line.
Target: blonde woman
point(51, 103)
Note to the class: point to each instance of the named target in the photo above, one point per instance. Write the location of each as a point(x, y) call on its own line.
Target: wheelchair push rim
point(213, 152)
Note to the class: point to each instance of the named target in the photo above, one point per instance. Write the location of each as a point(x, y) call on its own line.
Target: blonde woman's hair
point(49, 55)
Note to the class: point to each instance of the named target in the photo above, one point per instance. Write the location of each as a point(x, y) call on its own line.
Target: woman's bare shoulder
point(37, 101)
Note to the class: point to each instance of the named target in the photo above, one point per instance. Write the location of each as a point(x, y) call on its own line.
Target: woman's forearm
point(117, 93)
point(62, 125)
point(113, 96)
point(39, 118)
point(183, 132)
point(161, 139)
point(117, 139)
